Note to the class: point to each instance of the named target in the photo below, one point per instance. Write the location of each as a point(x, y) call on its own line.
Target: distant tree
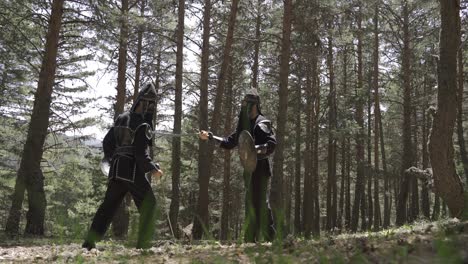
point(121, 219)
point(228, 105)
point(176, 147)
point(377, 118)
point(278, 159)
point(332, 142)
point(201, 219)
point(359, 186)
point(407, 157)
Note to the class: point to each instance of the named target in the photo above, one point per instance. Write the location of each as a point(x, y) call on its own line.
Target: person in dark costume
point(126, 149)
point(259, 218)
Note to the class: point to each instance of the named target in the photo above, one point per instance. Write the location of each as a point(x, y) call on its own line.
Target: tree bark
point(204, 168)
point(407, 157)
point(342, 185)
point(288, 193)
point(332, 126)
point(369, 171)
point(414, 203)
point(14, 215)
point(227, 161)
point(138, 54)
point(307, 204)
point(460, 132)
point(315, 140)
point(201, 221)
point(387, 187)
point(436, 208)
point(30, 173)
point(297, 163)
point(122, 62)
point(377, 117)
point(121, 219)
point(346, 149)
point(425, 202)
point(157, 87)
point(278, 159)
point(258, 24)
point(176, 147)
point(348, 185)
point(309, 209)
point(359, 186)
point(446, 181)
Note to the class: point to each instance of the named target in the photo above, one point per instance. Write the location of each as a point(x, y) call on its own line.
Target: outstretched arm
point(229, 142)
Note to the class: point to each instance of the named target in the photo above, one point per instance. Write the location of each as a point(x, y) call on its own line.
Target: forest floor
point(443, 241)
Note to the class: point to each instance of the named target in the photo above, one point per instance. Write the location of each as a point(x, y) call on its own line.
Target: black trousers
point(258, 216)
point(144, 200)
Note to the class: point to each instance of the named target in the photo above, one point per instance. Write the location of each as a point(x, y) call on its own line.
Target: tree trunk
point(14, 216)
point(278, 159)
point(201, 221)
point(342, 184)
point(460, 133)
point(347, 147)
point(30, 174)
point(297, 168)
point(258, 24)
point(204, 168)
point(446, 181)
point(414, 204)
point(444, 210)
point(436, 208)
point(407, 157)
point(309, 210)
point(316, 134)
point(348, 185)
point(425, 202)
point(121, 218)
point(176, 147)
point(122, 62)
point(332, 126)
point(307, 204)
point(369, 170)
point(377, 117)
point(387, 187)
point(288, 193)
point(359, 186)
point(157, 87)
point(138, 54)
point(395, 185)
point(227, 162)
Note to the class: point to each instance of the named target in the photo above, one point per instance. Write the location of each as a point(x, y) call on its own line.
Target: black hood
point(147, 94)
point(252, 97)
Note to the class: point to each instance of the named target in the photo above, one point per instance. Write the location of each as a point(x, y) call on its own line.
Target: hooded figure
point(259, 218)
point(126, 147)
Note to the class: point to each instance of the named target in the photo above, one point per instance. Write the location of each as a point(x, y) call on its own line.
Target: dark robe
point(126, 146)
point(259, 218)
